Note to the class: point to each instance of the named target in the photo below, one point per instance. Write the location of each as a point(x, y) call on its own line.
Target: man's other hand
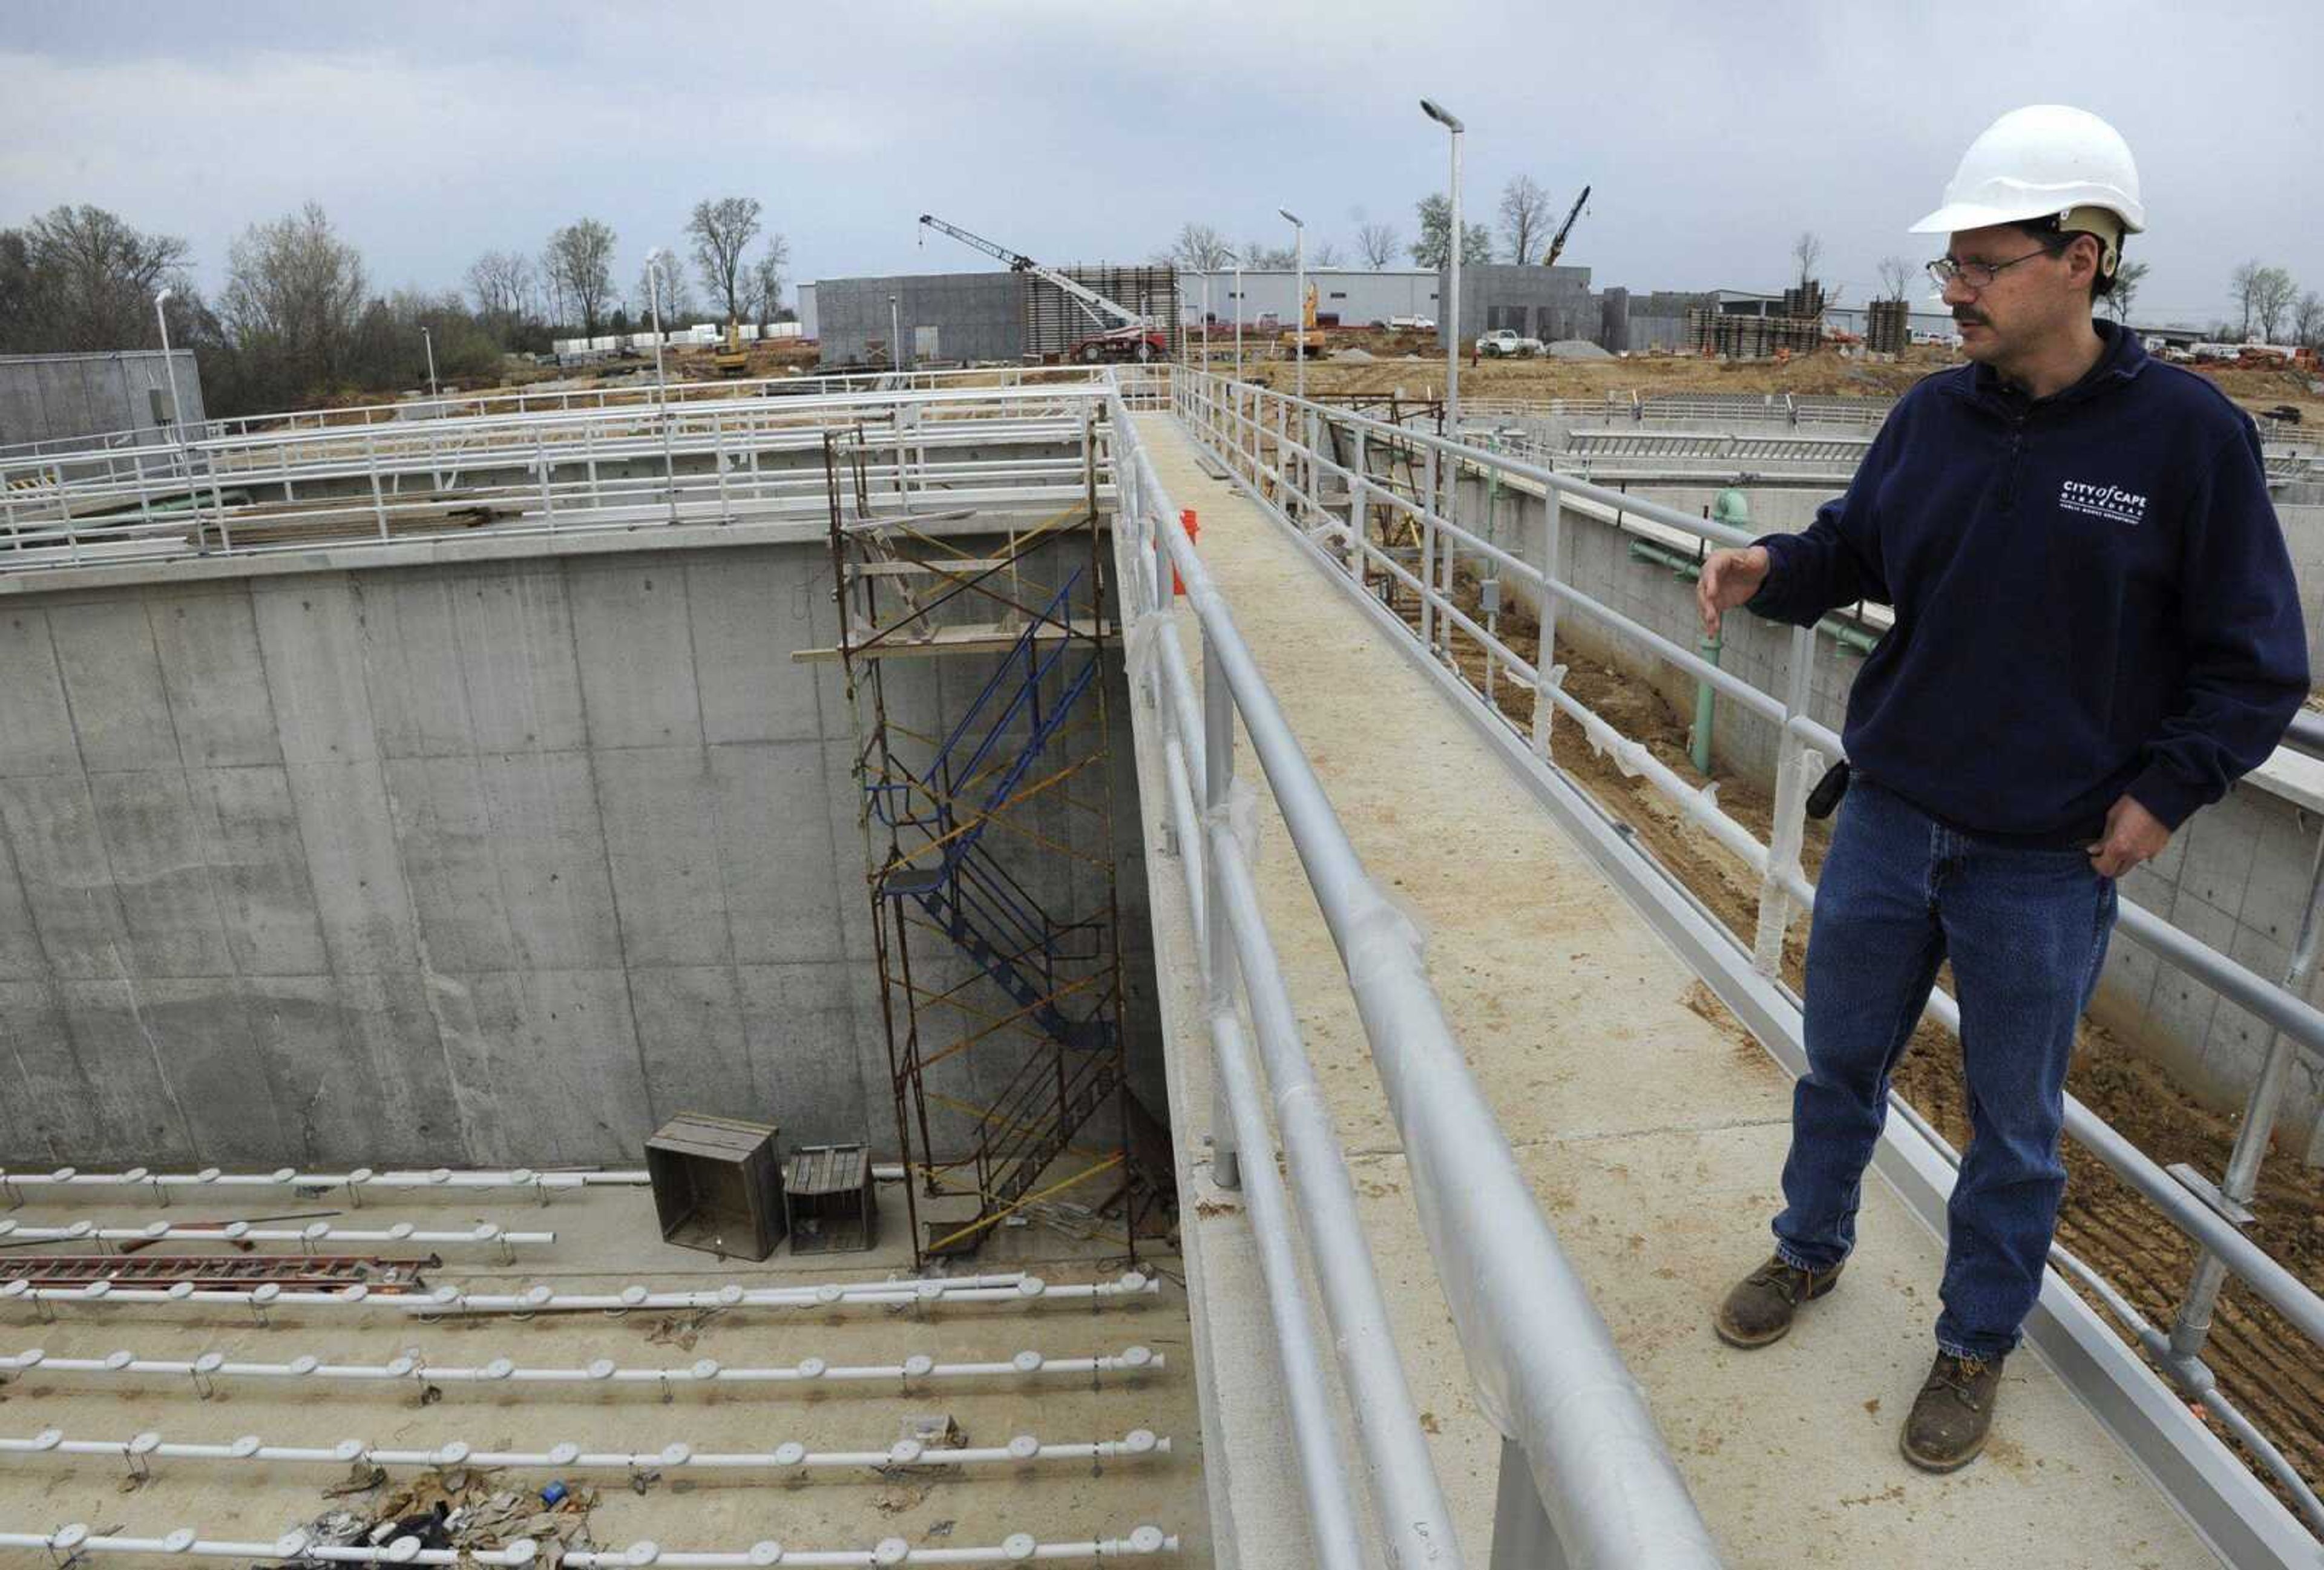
point(1729, 579)
point(2133, 834)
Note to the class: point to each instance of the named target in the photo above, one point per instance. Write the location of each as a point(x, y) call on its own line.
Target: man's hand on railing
point(1729, 579)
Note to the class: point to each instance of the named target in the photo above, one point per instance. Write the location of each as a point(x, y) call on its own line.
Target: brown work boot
point(1953, 1414)
point(1760, 1307)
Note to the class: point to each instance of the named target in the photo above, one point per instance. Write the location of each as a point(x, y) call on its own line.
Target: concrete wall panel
point(258, 870)
point(113, 674)
point(159, 854)
point(311, 634)
point(36, 729)
point(353, 860)
point(212, 666)
point(51, 824)
point(636, 653)
point(434, 863)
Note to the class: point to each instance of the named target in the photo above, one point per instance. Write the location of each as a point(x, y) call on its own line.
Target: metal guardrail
point(1276, 447)
point(619, 466)
point(1585, 1477)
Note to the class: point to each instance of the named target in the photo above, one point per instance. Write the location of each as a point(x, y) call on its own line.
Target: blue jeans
point(2026, 931)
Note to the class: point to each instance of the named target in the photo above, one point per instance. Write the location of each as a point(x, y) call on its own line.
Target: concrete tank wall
point(500, 861)
point(2234, 875)
point(60, 397)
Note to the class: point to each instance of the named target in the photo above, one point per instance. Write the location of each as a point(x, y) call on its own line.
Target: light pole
point(661, 384)
point(1451, 313)
point(895, 336)
point(169, 366)
point(428, 339)
point(1237, 259)
point(1298, 301)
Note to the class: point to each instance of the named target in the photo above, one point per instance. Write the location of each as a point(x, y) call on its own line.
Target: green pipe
point(1845, 632)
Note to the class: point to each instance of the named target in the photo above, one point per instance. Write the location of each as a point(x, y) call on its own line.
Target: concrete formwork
point(499, 861)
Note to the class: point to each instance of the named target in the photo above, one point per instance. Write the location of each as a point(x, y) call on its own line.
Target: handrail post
point(2190, 1327)
point(1219, 961)
point(1428, 554)
point(1794, 760)
point(1357, 506)
point(1544, 654)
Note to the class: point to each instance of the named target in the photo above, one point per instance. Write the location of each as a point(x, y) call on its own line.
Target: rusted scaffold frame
point(953, 851)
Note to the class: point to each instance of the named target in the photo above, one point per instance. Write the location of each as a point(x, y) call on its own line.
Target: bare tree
point(767, 277)
point(722, 231)
point(2243, 285)
point(1261, 256)
point(2128, 277)
point(677, 296)
point(2307, 320)
point(1198, 248)
point(1327, 254)
point(1525, 216)
point(1377, 244)
point(579, 262)
point(2273, 296)
point(293, 301)
point(80, 277)
point(501, 282)
point(1806, 250)
point(1896, 277)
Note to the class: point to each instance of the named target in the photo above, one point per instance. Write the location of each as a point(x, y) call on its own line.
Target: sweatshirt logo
point(2111, 503)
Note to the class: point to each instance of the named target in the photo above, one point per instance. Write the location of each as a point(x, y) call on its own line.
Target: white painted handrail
point(76, 1541)
point(1016, 1549)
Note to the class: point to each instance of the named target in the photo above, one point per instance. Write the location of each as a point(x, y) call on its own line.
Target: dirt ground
point(2269, 1370)
point(1652, 375)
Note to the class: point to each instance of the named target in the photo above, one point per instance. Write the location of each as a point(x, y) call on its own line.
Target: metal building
point(74, 399)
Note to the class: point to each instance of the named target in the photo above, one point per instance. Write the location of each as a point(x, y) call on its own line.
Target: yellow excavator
point(731, 358)
point(1308, 341)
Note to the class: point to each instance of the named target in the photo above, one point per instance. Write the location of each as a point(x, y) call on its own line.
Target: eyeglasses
point(1979, 274)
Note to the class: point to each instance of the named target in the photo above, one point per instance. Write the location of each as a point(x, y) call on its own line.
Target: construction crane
point(1557, 241)
point(1122, 334)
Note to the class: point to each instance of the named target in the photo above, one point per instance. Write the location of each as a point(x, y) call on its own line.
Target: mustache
point(1969, 314)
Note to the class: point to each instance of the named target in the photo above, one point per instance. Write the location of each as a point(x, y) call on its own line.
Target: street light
point(427, 340)
point(654, 259)
point(1237, 259)
point(1452, 312)
point(895, 336)
point(1298, 301)
point(170, 364)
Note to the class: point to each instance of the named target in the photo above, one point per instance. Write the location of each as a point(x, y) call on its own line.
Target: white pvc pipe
point(292, 1177)
point(1016, 1549)
point(543, 1299)
point(920, 1366)
point(243, 1232)
point(789, 1456)
point(77, 1541)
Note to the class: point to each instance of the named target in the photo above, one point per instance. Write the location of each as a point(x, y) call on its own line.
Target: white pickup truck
point(1505, 341)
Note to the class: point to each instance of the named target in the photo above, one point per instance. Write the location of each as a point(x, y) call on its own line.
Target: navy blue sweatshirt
point(2092, 598)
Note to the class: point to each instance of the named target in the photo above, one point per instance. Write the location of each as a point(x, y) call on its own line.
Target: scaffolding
point(987, 807)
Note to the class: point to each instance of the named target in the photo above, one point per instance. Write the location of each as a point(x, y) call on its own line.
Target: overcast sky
point(1088, 130)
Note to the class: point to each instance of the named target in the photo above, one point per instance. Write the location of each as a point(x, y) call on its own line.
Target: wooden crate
point(718, 1185)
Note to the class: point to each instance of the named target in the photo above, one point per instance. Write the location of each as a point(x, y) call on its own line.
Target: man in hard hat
point(2096, 631)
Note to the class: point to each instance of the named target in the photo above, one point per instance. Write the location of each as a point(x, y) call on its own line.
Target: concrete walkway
point(1653, 1126)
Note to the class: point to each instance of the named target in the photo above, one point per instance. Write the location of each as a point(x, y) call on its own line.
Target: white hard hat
point(2043, 161)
